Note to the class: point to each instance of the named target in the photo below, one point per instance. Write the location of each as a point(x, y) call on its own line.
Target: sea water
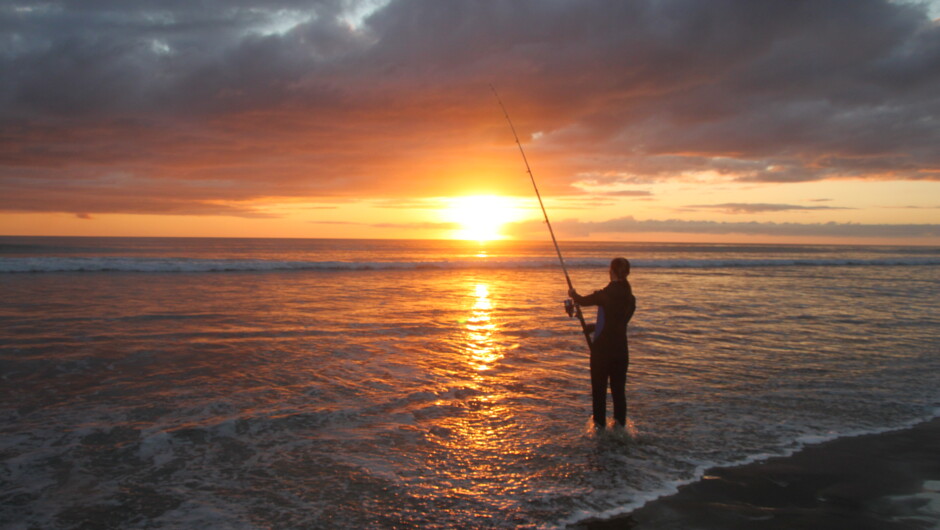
point(253, 383)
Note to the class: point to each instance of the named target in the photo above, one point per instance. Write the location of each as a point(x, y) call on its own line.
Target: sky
point(783, 121)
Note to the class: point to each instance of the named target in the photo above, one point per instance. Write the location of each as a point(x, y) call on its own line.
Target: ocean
point(291, 383)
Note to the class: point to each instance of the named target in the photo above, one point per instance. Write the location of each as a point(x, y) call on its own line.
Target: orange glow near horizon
point(491, 213)
point(481, 217)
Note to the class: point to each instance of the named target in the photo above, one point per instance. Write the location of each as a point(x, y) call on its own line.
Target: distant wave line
point(193, 265)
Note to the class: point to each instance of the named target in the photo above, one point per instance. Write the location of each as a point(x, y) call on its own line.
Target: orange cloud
point(212, 110)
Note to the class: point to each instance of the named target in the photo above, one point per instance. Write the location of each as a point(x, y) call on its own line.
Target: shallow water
point(427, 383)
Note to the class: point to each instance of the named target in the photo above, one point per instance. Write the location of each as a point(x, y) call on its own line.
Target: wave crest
point(192, 265)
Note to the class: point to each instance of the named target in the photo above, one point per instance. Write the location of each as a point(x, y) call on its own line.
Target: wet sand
point(879, 481)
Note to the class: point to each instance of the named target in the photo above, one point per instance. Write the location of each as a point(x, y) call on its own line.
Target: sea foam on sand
point(887, 480)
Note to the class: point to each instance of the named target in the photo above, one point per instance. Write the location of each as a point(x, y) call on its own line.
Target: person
point(609, 351)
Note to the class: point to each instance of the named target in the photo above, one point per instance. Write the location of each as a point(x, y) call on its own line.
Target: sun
point(481, 217)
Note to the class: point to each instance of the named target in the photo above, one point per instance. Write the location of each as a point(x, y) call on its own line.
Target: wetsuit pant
point(611, 368)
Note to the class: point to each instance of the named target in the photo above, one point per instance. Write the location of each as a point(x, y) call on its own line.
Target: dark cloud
point(738, 207)
point(210, 102)
point(629, 225)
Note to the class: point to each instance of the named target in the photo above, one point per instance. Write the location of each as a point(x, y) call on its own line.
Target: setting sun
point(481, 217)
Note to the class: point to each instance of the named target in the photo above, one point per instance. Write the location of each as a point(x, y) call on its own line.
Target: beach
point(889, 480)
point(329, 264)
point(164, 382)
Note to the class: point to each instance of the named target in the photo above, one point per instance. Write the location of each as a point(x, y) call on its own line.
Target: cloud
point(86, 193)
point(629, 225)
point(737, 207)
point(629, 193)
point(226, 102)
point(426, 225)
point(407, 204)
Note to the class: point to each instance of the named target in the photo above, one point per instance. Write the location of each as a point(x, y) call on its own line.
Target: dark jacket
point(615, 307)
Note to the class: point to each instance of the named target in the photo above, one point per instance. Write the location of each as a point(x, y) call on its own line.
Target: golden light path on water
point(481, 344)
point(480, 446)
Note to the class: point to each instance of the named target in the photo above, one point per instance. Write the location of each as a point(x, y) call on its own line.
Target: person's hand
point(572, 293)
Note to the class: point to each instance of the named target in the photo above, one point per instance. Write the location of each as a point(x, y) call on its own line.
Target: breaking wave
point(192, 265)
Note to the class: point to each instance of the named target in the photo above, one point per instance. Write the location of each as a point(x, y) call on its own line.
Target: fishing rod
point(571, 307)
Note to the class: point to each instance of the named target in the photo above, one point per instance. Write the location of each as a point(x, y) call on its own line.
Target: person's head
point(619, 269)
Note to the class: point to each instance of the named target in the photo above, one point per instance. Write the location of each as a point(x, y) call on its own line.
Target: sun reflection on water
point(481, 445)
point(481, 343)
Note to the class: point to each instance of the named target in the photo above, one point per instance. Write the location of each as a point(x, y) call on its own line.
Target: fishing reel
point(569, 307)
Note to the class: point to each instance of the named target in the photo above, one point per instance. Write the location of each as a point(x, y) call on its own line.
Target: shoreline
point(888, 480)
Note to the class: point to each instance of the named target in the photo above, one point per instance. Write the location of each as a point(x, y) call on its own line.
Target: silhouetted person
point(609, 354)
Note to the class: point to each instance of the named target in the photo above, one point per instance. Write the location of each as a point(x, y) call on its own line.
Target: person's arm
point(596, 298)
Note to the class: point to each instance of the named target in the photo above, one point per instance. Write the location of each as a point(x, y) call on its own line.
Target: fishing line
point(571, 307)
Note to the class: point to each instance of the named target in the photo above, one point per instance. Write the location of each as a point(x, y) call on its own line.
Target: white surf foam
point(639, 499)
point(192, 265)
